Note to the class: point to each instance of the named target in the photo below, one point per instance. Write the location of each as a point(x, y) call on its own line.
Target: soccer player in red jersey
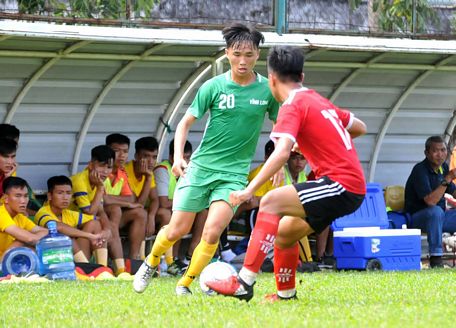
point(324, 134)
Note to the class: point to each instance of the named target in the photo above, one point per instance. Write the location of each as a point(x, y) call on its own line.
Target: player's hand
point(135, 205)
point(11, 171)
point(451, 175)
point(238, 197)
point(278, 177)
point(106, 235)
point(179, 167)
point(150, 227)
point(296, 149)
point(97, 240)
point(144, 167)
point(95, 177)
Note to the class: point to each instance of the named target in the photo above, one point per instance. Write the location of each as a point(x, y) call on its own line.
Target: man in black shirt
point(424, 197)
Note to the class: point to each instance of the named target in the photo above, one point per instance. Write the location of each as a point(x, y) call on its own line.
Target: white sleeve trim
point(276, 135)
point(350, 122)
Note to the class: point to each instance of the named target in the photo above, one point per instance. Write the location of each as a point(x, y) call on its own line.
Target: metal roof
point(67, 87)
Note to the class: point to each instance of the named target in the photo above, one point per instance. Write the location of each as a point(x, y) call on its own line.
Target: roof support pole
point(99, 100)
point(12, 108)
point(450, 129)
point(392, 113)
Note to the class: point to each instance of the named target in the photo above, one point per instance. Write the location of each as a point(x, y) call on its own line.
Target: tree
point(102, 9)
point(404, 15)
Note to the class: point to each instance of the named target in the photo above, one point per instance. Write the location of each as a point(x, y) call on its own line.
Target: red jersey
point(320, 129)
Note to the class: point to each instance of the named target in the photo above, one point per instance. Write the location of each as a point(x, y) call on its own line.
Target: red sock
point(261, 240)
point(285, 264)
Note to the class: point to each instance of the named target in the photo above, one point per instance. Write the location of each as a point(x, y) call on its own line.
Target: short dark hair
point(269, 148)
point(146, 143)
point(118, 139)
point(287, 62)
point(433, 139)
point(13, 182)
point(9, 131)
point(102, 154)
point(238, 33)
point(58, 180)
point(187, 147)
point(7, 146)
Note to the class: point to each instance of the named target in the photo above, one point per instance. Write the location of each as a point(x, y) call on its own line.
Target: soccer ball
point(213, 272)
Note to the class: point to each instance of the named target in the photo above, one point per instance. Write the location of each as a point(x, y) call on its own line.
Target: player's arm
point(165, 202)
point(145, 191)
point(357, 128)
point(28, 237)
point(432, 198)
point(87, 206)
point(153, 208)
point(122, 201)
point(105, 225)
point(179, 142)
point(73, 232)
point(96, 203)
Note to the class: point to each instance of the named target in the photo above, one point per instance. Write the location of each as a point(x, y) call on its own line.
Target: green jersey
point(236, 115)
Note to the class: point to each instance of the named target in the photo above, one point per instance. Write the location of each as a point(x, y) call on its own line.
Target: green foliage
point(397, 15)
point(326, 299)
point(101, 9)
point(354, 3)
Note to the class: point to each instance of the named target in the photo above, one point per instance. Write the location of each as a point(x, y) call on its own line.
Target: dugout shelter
point(67, 87)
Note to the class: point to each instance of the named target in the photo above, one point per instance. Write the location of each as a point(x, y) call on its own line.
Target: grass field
point(326, 299)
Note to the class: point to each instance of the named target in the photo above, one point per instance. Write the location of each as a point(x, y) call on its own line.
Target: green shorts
point(200, 187)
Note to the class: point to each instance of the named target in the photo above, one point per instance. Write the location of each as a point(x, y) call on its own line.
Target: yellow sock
point(202, 254)
point(101, 256)
point(142, 250)
point(80, 257)
point(169, 256)
point(160, 246)
point(119, 271)
point(120, 266)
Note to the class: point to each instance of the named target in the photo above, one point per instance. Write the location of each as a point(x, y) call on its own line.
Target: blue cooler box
point(373, 248)
point(371, 213)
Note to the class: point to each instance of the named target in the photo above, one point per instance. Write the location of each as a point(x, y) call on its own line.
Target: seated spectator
point(7, 160)
point(16, 229)
point(120, 204)
point(88, 232)
point(9, 131)
point(453, 161)
point(12, 132)
point(166, 183)
point(88, 193)
point(295, 173)
point(142, 182)
point(253, 204)
point(294, 170)
point(424, 197)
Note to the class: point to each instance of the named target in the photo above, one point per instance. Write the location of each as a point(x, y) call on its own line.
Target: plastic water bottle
point(55, 254)
point(19, 261)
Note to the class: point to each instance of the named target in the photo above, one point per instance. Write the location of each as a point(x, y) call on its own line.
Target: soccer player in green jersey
point(237, 101)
